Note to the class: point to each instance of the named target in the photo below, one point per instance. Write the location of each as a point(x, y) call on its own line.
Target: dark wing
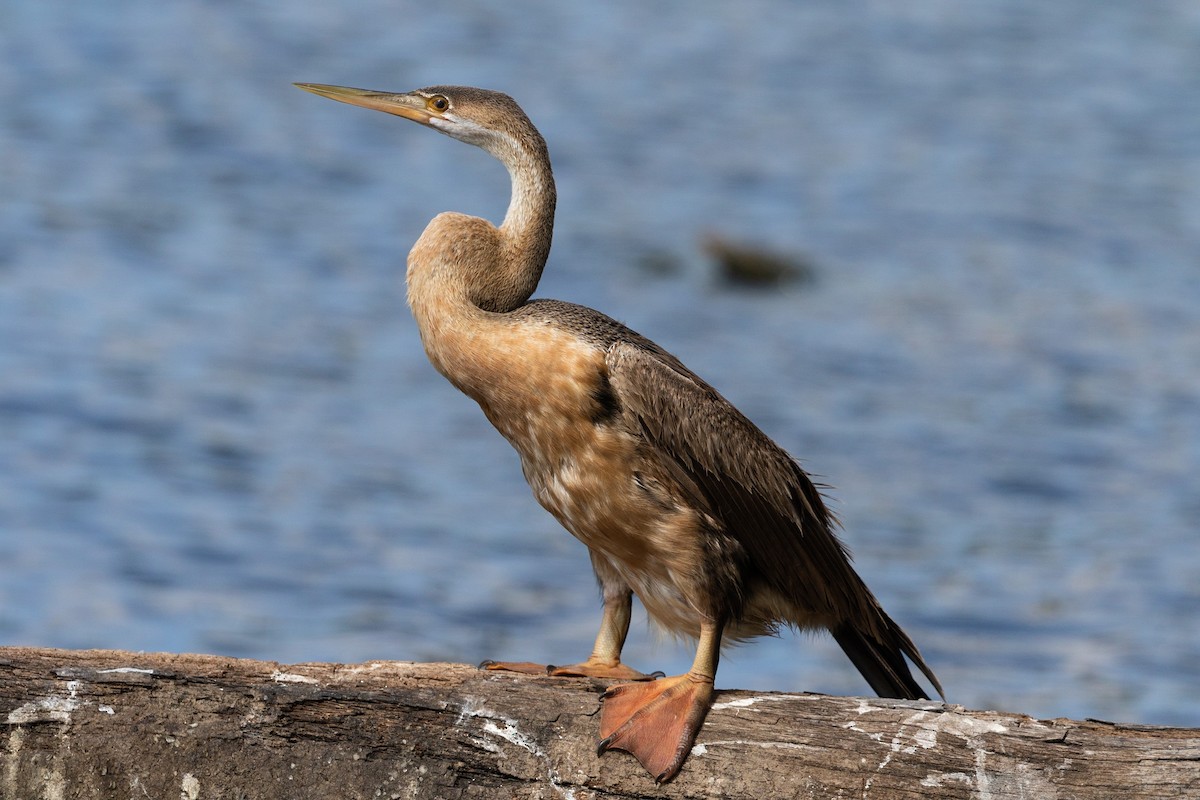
point(753, 487)
point(763, 499)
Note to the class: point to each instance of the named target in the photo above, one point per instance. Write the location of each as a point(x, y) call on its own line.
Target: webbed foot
point(656, 722)
point(524, 667)
point(602, 668)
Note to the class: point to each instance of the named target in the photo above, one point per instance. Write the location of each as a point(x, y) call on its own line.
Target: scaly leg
point(605, 660)
point(657, 722)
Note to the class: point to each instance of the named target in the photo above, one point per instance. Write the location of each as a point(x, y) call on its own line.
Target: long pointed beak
point(409, 106)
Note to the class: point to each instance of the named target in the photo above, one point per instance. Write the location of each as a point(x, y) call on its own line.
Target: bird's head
point(487, 119)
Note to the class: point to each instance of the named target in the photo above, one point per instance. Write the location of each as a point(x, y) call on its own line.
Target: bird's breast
point(546, 391)
point(543, 387)
point(551, 405)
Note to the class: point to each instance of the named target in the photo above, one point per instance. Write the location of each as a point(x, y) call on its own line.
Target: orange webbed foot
point(656, 722)
point(592, 668)
point(601, 668)
point(524, 667)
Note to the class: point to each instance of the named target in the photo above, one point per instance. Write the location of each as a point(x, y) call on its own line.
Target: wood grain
point(111, 724)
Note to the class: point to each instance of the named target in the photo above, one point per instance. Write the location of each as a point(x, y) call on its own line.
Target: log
point(112, 724)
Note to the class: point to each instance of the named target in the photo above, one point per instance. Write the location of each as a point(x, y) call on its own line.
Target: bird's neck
point(463, 271)
point(466, 262)
point(526, 232)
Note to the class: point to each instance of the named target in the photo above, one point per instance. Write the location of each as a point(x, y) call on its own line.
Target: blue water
point(218, 432)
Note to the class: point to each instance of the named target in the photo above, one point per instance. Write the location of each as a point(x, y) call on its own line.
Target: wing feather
point(761, 497)
point(756, 490)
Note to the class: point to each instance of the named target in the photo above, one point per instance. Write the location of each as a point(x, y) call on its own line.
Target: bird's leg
point(605, 660)
point(657, 722)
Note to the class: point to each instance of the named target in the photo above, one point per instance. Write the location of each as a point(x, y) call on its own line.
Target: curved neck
point(462, 264)
point(528, 226)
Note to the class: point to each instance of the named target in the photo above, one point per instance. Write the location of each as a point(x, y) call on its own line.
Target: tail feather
point(882, 662)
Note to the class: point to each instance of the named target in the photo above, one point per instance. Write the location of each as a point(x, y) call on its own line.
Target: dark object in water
point(745, 265)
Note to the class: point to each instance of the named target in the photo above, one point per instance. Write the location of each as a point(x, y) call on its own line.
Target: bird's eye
point(438, 103)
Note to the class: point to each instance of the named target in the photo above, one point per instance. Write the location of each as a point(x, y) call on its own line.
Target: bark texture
point(111, 724)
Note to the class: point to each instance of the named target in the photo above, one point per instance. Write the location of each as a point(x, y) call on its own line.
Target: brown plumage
point(679, 498)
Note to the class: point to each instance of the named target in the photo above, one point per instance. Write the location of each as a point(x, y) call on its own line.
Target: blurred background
point(219, 433)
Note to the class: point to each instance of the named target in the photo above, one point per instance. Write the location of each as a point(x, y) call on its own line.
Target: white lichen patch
point(938, 779)
point(497, 725)
point(125, 670)
point(369, 666)
point(925, 738)
point(189, 788)
point(746, 702)
point(852, 725)
point(509, 730)
point(701, 749)
point(291, 677)
point(921, 729)
point(472, 708)
point(511, 733)
point(968, 727)
point(54, 708)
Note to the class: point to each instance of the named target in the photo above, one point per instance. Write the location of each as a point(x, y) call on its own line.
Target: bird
point(679, 497)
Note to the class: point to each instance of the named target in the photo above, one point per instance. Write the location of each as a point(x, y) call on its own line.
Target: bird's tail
point(881, 659)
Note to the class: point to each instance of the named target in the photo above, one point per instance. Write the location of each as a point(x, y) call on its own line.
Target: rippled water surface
point(218, 431)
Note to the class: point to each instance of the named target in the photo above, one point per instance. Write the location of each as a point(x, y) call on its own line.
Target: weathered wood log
point(111, 724)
